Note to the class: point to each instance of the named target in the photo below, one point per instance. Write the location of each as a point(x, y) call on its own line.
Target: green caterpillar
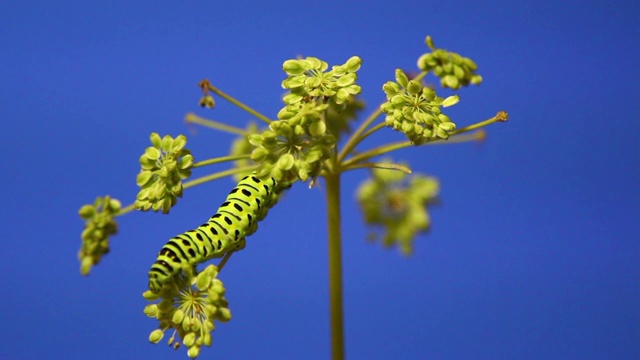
point(225, 231)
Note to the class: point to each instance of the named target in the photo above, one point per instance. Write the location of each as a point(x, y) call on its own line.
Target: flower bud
point(189, 339)
point(156, 336)
point(193, 352)
point(151, 310)
point(178, 316)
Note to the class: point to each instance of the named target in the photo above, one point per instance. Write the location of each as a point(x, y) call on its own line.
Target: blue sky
point(534, 251)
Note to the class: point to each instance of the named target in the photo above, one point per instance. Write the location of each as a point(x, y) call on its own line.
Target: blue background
point(534, 252)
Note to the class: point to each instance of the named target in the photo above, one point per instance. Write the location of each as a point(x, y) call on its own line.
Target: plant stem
point(215, 176)
point(386, 148)
point(126, 209)
point(219, 160)
point(195, 119)
point(501, 116)
point(477, 136)
point(371, 131)
point(335, 265)
point(382, 149)
point(237, 103)
point(355, 137)
point(370, 165)
point(224, 260)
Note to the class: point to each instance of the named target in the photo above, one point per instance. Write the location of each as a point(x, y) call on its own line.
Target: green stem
point(478, 136)
point(355, 138)
point(420, 76)
point(500, 116)
point(383, 149)
point(375, 152)
point(195, 119)
point(220, 160)
point(335, 266)
point(237, 103)
point(372, 130)
point(224, 260)
point(127, 209)
point(387, 166)
point(217, 175)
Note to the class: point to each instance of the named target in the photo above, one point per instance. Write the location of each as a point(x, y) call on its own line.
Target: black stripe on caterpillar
point(224, 232)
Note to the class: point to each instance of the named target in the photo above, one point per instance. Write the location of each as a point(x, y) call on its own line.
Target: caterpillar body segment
point(225, 232)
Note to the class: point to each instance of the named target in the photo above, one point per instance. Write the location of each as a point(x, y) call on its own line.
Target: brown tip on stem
point(502, 116)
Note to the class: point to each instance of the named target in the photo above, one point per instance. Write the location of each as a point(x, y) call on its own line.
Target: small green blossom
point(453, 69)
point(163, 167)
point(296, 145)
point(190, 305)
point(308, 80)
point(99, 225)
point(397, 202)
point(414, 109)
point(292, 149)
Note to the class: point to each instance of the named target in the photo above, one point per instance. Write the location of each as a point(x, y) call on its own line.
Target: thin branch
point(224, 260)
point(383, 149)
point(388, 166)
point(235, 102)
point(218, 175)
point(372, 130)
point(127, 209)
point(355, 137)
point(195, 119)
point(220, 160)
point(478, 136)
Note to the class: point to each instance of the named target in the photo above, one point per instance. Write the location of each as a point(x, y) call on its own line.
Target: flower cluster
point(397, 204)
point(189, 306)
point(453, 69)
point(295, 146)
point(164, 166)
point(99, 225)
point(308, 79)
point(414, 109)
point(292, 149)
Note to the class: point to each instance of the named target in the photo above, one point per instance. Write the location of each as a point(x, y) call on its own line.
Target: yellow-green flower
point(414, 110)
point(309, 79)
point(99, 225)
point(188, 307)
point(397, 203)
point(453, 69)
point(292, 149)
point(163, 167)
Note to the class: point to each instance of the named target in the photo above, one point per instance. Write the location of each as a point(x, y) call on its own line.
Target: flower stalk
point(207, 86)
point(335, 266)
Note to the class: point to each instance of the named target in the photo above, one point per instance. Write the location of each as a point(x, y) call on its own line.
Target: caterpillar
point(224, 232)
